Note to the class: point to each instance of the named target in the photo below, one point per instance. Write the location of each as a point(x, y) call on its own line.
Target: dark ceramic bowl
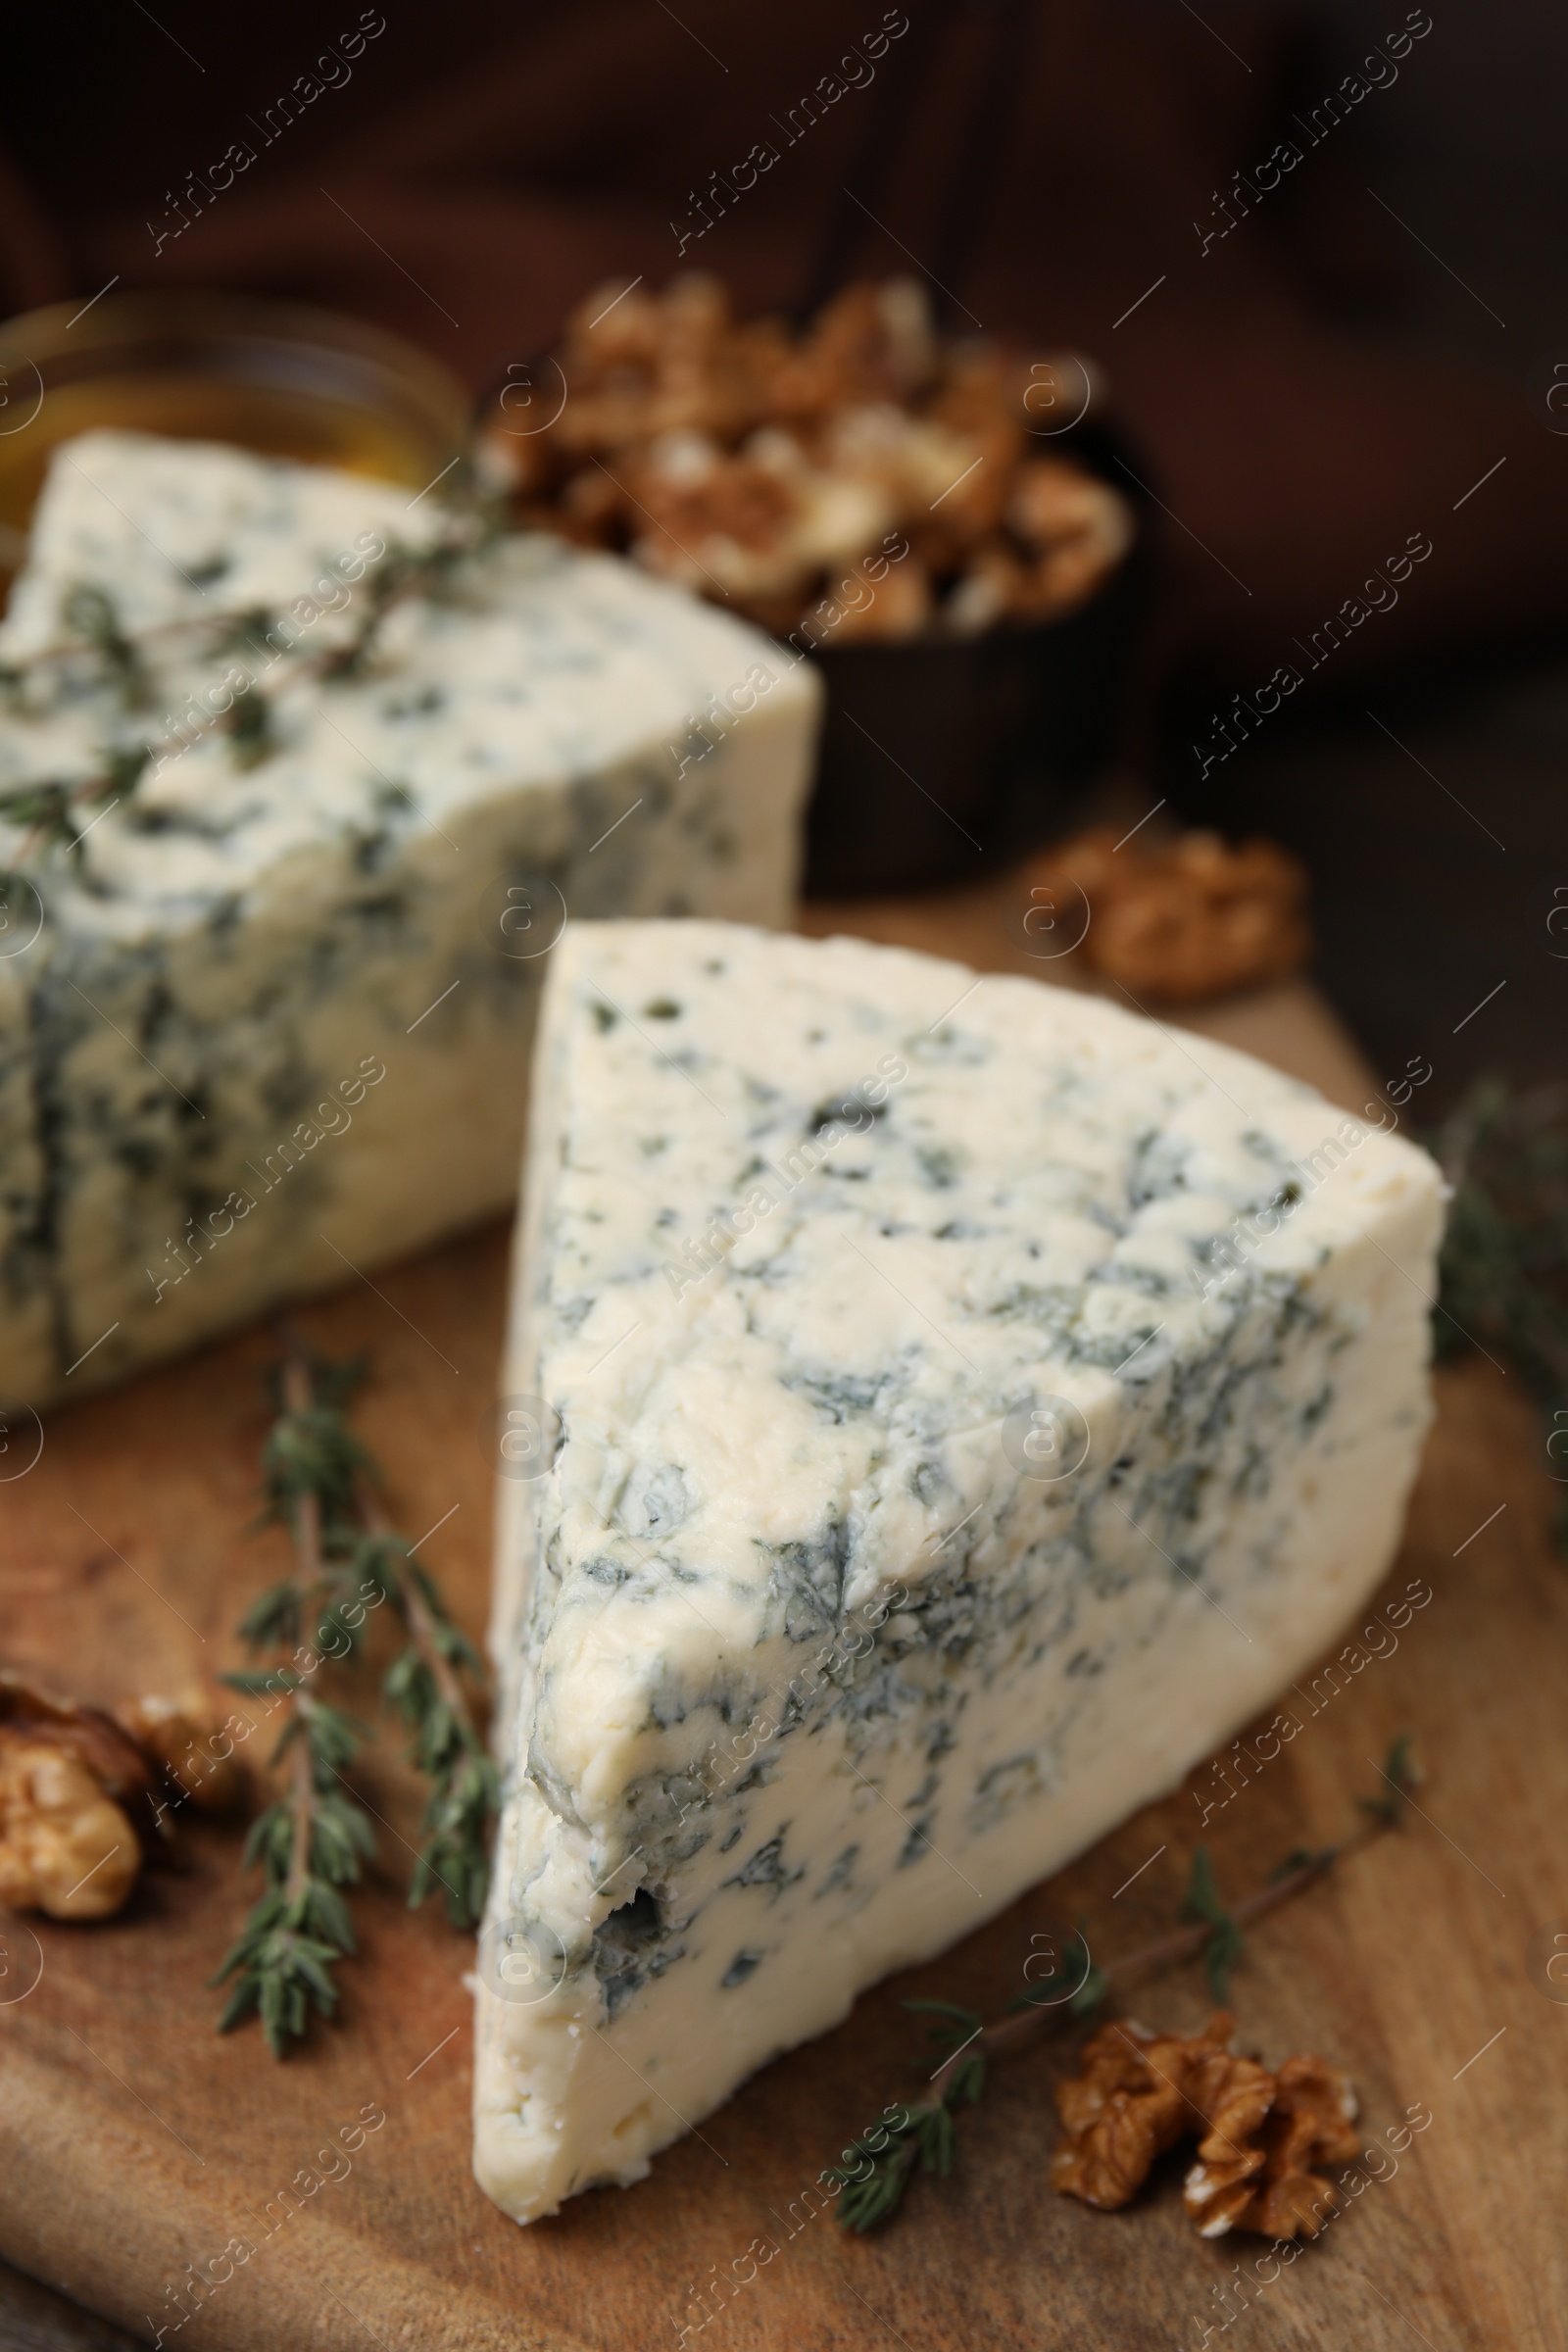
point(941, 757)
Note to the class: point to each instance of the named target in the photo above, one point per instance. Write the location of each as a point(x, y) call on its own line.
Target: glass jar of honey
point(282, 378)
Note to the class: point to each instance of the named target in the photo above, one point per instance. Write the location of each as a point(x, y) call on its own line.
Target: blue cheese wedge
point(938, 1411)
point(277, 888)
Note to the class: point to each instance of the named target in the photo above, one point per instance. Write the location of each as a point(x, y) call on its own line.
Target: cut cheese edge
point(945, 1409)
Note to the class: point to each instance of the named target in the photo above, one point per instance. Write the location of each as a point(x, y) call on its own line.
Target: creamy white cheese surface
point(322, 868)
point(944, 1410)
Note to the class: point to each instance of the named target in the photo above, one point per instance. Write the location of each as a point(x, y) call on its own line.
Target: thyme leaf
point(93, 613)
point(250, 728)
point(1402, 1778)
point(1076, 1980)
point(1224, 1944)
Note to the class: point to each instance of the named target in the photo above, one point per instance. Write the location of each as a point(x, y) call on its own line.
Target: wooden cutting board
point(133, 2141)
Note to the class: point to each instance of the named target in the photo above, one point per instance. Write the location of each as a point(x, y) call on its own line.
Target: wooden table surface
point(133, 2141)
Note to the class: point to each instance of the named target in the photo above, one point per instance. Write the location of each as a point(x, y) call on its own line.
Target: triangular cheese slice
point(939, 1410)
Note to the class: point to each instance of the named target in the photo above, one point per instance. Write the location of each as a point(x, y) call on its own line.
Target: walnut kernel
point(1260, 2134)
point(66, 1847)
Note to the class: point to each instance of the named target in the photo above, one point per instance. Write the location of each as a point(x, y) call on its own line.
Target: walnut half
point(72, 1782)
point(181, 1743)
point(1192, 920)
point(66, 1847)
point(1259, 2135)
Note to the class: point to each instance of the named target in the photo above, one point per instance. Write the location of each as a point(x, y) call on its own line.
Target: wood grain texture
point(135, 2141)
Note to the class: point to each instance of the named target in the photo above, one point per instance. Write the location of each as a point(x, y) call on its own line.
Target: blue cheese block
point(939, 1410)
point(266, 988)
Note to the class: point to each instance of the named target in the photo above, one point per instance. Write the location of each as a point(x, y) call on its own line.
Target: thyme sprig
point(313, 1841)
point(52, 809)
point(876, 2168)
point(319, 1480)
point(423, 1684)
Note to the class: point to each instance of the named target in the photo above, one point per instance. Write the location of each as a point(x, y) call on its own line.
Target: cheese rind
point(275, 1018)
point(809, 1669)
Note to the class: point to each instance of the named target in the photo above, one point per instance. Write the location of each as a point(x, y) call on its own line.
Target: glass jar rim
point(244, 338)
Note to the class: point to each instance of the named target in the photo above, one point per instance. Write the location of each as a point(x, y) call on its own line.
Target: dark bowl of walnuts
point(919, 517)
